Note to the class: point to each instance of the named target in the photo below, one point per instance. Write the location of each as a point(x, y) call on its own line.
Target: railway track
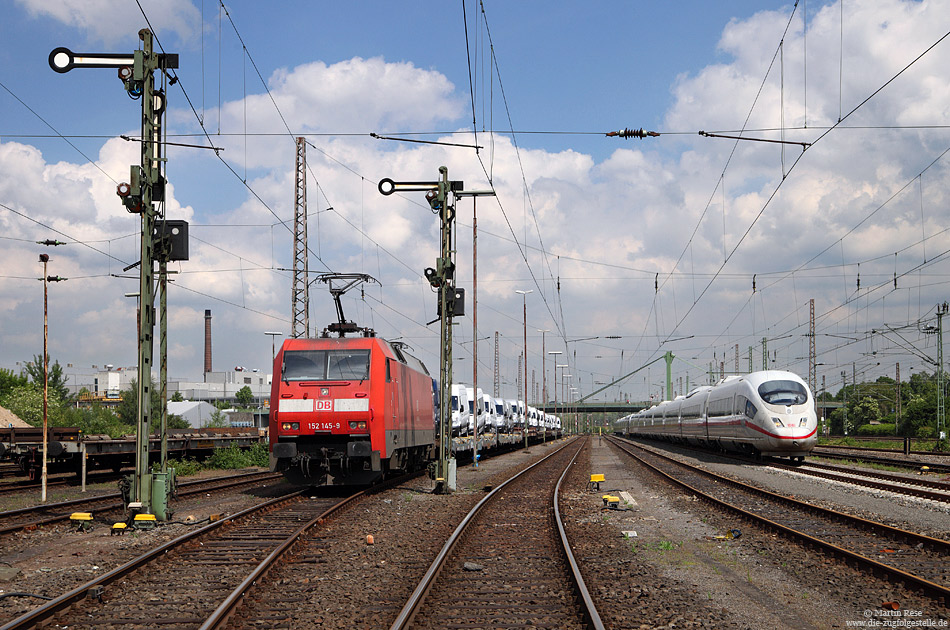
point(197, 580)
point(911, 486)
point(37, 515)
point(917, 561)
point(936, 462)
point(486, 574)
point(169, 585)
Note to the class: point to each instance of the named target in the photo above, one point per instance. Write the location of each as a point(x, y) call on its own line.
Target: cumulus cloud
point(109, 21)
point(623, 246)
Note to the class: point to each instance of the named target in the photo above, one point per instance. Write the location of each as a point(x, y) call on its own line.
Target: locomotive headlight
point(357, 424)
point(290, 426)
point(777, 422)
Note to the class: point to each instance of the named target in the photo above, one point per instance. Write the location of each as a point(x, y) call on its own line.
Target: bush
point(183, 467)
point(876, 430)
point(230, 458)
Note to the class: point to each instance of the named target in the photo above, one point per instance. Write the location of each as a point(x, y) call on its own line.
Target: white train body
point(770, 412)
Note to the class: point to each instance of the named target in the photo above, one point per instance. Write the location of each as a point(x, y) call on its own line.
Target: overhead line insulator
point(632, 133)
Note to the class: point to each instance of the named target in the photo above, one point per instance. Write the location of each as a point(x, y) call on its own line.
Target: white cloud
point(615, 223)
point(109, 21)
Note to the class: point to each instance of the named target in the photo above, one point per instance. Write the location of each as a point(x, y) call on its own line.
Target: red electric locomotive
point(347, 411)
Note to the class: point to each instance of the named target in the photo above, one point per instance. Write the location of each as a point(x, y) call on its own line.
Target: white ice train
point(768, 413)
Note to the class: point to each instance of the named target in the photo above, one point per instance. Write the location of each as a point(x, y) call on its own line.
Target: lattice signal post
point(441, 195)
point(146, 186)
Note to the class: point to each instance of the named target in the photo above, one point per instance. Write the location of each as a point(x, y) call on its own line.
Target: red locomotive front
point(346, 411)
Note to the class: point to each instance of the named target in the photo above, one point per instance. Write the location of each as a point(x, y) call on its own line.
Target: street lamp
point(567, 397)
point(555, 353)
point(563, 397)
point(524, 297)
point(544, 394)
point(272, 353)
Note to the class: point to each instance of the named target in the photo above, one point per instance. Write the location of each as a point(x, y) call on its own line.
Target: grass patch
point(230, 458)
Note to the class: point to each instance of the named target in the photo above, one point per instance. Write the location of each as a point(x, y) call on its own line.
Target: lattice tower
point(300, 290)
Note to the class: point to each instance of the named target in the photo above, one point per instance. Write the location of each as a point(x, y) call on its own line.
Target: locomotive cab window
point(783, 393)
point(325, 365)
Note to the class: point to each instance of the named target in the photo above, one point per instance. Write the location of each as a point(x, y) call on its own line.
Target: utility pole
point(844, 389)
point(812, 355)
point(524, 299)
point(145, 187)
point(897, 400)
point(941, 416)
point(497, 368)
point(441, 195)
point(668, 357)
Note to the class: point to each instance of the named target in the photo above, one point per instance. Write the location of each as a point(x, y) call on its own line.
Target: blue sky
point(652, 240)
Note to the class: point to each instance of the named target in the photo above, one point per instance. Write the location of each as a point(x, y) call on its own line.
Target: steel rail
point(415, 601)
point(65, 600)
point(879, 481)
point(221, 615)
point(591, 616)
point(867, 478)
point(936, 591)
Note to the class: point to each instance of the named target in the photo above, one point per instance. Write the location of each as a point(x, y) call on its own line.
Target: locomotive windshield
point(325, 365)
point(783, 393)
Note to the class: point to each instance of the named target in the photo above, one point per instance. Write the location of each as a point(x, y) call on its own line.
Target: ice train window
point(750, 409)
point(783, 393)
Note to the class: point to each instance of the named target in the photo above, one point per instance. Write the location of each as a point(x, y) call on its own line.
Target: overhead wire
point(493, 62)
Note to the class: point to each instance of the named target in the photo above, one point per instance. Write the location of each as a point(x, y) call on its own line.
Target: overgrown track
point(917, 561)
point(508, 563)
point(37, 515)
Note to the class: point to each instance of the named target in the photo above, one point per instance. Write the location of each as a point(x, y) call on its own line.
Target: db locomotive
point(762, 413)
point(347, 411)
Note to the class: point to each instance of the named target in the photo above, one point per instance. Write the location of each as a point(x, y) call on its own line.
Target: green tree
point(10, 381)
point(863, 410)
point(177, 397)
point(26, 402)
point(218, 420)
point(56, 378)
point(919, 415)
point(245, 396)
point(128, 409)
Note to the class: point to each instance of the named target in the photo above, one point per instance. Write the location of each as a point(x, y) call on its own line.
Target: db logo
point(324, 405)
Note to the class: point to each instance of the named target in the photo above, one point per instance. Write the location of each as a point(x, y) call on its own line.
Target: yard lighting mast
point(544, 394)
point(524, 298)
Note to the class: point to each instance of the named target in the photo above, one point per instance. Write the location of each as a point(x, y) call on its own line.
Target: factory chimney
point(207, 341)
